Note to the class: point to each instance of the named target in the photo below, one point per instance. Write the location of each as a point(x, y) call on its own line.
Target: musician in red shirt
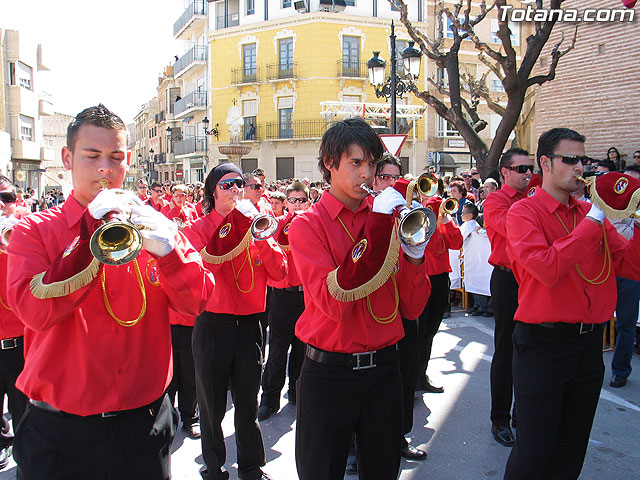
point(182, 213)
point(156, 197)
point(142, 190)
point(358, 283)
point(97, 341)
point(227, 338)
point(565, 256)
point(516, 169)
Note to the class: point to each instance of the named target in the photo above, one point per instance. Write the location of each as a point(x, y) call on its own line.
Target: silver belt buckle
point(8, 343)
point(108, 414)
point(587, 329)
point(362, 364)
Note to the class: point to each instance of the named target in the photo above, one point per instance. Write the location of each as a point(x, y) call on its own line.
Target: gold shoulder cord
point(235, 276)
point(389, 318)
point(597, 280)
point(107, 304)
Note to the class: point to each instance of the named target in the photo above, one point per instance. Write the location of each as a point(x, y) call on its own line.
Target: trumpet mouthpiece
point(103, 183)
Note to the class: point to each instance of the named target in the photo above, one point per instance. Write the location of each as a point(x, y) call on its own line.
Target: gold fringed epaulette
point(64, 287)
point(371, 285)
point(237, 250)
point(614, 190)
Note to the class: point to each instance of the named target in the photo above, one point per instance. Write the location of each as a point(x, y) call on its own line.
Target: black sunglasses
point(297, 200)
point(227, 184)
point(636, 156)
point(255, 186)
point(571, 159)
point(8, 197)
point(521, 168)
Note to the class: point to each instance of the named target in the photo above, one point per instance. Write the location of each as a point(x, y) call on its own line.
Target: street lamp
point(394, 86)
point(214, 131)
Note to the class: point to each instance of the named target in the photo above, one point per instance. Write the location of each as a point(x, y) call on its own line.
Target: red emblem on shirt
point(257, 261)
point(152, 272)
point(621, 185)
point(286, 228)
point(224, 231)
point(71, 247)
point(358, 250)
point(531, 191)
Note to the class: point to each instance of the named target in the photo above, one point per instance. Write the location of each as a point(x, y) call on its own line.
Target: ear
point(67, 158)
point(545, 163)
point(328, 163)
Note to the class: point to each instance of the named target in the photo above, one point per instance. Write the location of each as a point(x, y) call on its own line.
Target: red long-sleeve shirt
point(320, 244)
point(267, 260)
point(543, 258)
point(436, 257)
point(77, 358)
point(186, 214)
point(495, 211)
point(292, 279)
point(10, 324)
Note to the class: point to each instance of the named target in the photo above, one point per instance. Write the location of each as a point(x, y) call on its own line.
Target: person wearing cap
point(565, 256)
point(227, 338)
point(97, 340)
point(516, 169)
point(359, 282)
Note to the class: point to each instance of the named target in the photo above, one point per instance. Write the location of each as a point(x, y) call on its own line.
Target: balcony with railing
point(190, 145)
point(195, 55)
point(226, 21)
point(278, 71)
point(296, 129)
point(245, 75)
point(347, 68)
point(195, 11)
point(191, 101)
point(159, 117)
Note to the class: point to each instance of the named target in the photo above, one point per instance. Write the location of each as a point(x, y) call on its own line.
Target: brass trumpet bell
point(116, 242)
point(416, 225)
point(450, 206)
point(263, 227)
point(427, 185)
point(5, 235)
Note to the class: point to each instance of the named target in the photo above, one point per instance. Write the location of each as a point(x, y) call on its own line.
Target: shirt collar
point(551, 204)
point(335, 206)
point(512, 192)
point(73, 211)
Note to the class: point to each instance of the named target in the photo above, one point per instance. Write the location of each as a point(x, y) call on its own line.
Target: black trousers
point(557, 382)
point(184, 375)
point(132, 445)
point(408, 372)
point(504, 294)
point(11, 365)
point(286, 307)
point(430, 319)
point(333, 403)
point(228, 348)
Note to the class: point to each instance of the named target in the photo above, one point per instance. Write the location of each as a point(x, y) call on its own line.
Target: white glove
point(7, 222)
point(113, 200)
point(388, 200)
point(416, 251)
point(247, 208)
point(596, 214)
point(159, 233)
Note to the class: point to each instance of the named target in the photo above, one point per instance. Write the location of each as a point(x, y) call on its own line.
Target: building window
point(448, 30)
point(351, 98)
point(400, 46)
point(249, 164)
point(285, 55)
point(442, 78)
point(26, 128)
point(446, 128)
point(513, 27)
point(285, 123)
point(496, 85)
point(395, 7)
point(350, 3)
point(286, 3)
point(25, 75)
point(249, 51)
point(284, 168)
point(251, 7)
point(351, 55)
point(12, 73)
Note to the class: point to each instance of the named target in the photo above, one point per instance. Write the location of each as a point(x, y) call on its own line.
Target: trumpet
point(263, 227)
point(449, 206)
point(427, 184)
point(116, 241)
point(6, 227)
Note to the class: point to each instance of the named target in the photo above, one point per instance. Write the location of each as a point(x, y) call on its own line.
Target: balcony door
point(285, 54)
point(350, 55)
point(249, 60)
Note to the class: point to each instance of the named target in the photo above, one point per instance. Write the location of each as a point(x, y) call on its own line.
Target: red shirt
point(267, 260)
point(320, 244)
point(10, 324)
point(186, 214)
point(495, 211)
point(77, 358)
point(436, 257)
point(543, 257)
point(156, 206)
point(292, 279)
point(144, 197)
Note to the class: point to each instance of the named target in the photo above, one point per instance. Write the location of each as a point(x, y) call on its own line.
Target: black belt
point(504, 269)
point(569, 328)
point(292, 289)
point(152, 408)
point(357, 361)
point(9, 343)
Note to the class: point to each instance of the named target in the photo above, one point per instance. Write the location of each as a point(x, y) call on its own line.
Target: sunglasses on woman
point(229, 183)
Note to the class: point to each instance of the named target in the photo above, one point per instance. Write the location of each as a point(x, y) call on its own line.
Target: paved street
point(453, 427)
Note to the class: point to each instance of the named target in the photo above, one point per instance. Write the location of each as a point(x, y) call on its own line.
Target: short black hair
point(608, 164)
point(156, 185)
point(549, 140)
point(98, 116)
point(507, 157)
point(339, 139)
point(471, 208)
point(388, 159)
point(297, 187)
point(632, 168)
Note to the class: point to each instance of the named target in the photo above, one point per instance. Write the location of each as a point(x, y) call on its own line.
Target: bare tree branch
point(556, 55)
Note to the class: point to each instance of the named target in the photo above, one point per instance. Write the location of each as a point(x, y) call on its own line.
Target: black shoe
point(431, 388)
point(446, 315)
point(618, 381)
point(265, 476)
point(265, 412)
point(193, 430)
point(4, 457)
point(292, 398)
point(412, 453)
point(352, 465)
point(478, 313)
point(488, 314)
point(503, 435)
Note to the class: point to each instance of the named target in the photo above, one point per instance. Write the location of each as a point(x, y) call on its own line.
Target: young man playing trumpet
point(227, 340)
point(97, 340)
point(358, 283)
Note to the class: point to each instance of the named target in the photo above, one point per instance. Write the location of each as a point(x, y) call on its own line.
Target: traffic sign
point(393, 143)
point(179, 173)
